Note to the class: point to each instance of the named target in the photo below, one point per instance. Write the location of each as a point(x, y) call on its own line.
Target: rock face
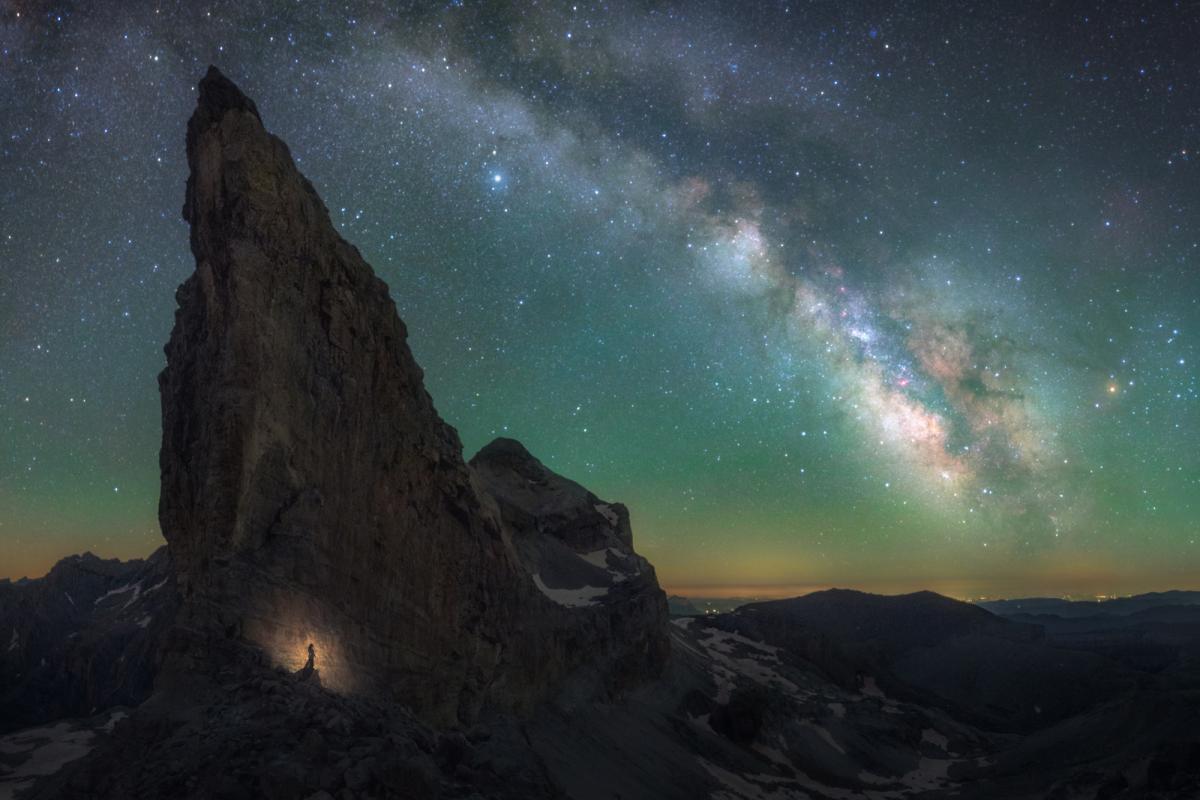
point(85, 636)
point(578, 551)
point(311, 494)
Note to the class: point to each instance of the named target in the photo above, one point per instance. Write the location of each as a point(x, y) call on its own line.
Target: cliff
point(311, 493)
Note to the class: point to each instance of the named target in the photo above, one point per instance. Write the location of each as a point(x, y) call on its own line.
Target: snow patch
point(157, 586)
point(571, 598)
point(137, 591)
point(607, 512)
point(825, 735)
point(773, 754)
point(936, 739)
point(931, 773)
point(838, 709)
point(144, 621)
point(872, 778)
point(726, 665)
point(724, 641)
point(14, 641)
point(871, 689)
point(597, 558)
point(37, 752)
point(703, 722)
point(116, 717)
point(136, 588)
point(746, 787)
point(775, 787)
point(822, 790)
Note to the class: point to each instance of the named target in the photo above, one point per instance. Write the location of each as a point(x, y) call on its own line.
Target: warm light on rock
point(287, 643)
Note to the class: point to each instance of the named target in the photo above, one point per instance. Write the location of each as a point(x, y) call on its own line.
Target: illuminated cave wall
point(286, 626)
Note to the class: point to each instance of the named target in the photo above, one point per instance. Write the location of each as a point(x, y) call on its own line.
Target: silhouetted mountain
point(894, 623)
point(1146, 633)
point(84, 637)
point(578, 551)
point(1117, 606)
point(949, 681)
point(929, 648)
point(681, 606)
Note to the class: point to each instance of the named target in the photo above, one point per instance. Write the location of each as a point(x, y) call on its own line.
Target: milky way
point(826, 295)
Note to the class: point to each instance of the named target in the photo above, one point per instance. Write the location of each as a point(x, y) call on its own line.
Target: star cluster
point(853, 294)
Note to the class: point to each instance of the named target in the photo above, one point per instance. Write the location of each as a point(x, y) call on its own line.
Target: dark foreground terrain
point(346, 608)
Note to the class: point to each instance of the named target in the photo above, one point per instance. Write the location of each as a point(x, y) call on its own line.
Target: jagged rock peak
point(503, 447)
point(311, 494)
point(518, 480)
point(218, 94)
point(578, 550)
point(508, 458)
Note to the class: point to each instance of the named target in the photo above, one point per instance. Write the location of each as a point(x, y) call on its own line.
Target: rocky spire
point(310, 491)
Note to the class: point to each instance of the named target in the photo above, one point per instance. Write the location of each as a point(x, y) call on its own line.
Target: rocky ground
point(747, 707)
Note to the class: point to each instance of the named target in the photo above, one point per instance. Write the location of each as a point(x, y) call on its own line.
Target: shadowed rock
point(85, 636)
point(578, 551)
point(310, 491)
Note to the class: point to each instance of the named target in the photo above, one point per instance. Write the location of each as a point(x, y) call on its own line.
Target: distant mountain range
point(1116, 606)
point(681, 605)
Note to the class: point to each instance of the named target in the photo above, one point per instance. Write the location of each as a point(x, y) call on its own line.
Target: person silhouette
point(310, 666)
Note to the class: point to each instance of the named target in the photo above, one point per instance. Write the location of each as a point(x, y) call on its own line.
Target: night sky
point(889, 297)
